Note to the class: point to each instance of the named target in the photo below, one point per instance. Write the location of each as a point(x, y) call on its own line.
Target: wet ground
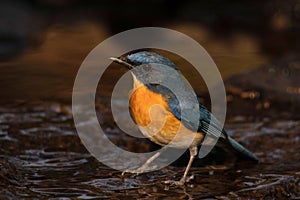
point(41, 155)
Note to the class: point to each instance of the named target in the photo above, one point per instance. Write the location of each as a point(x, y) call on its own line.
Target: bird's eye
point(154, 84)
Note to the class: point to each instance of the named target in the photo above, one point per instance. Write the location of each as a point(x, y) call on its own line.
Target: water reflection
point(49, 161)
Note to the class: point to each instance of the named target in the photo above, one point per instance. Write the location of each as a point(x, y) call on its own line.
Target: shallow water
point(42, 157)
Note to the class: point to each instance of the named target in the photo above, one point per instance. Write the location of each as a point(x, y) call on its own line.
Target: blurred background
point(255, 45)
point(43, 42)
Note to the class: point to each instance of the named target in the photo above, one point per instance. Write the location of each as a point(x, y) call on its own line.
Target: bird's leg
point(144, 167)
point(193, 153)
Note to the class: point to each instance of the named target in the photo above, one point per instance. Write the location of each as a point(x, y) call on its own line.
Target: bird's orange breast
point(141, 101)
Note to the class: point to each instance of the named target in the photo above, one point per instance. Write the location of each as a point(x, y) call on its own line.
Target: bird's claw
point(181, 182)
point(134, 171)
point(139, 170)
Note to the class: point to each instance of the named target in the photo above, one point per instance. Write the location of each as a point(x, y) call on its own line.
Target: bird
point(145, 65)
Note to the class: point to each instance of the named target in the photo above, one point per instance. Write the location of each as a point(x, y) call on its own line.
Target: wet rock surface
point(42, 157)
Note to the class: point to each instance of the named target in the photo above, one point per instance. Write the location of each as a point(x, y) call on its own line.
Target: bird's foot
point(133, 171)
point(181, 182)
point(139, 170)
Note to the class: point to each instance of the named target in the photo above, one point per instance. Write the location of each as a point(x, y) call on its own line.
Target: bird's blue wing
point(207, 123)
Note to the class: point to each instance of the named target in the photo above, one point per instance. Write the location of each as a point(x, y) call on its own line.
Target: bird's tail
point(241, 151)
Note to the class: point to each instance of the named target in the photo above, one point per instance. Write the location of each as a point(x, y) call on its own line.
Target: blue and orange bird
point(146, 95)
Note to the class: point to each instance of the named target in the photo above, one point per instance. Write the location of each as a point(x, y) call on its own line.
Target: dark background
point(43, 42)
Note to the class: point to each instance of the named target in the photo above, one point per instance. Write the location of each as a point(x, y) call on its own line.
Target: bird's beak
point(122, 62)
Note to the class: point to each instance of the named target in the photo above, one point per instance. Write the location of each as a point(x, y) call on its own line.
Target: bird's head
point(146, 66)
point(142, 57)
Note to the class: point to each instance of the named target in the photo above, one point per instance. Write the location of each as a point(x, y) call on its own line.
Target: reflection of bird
point(146, 95)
